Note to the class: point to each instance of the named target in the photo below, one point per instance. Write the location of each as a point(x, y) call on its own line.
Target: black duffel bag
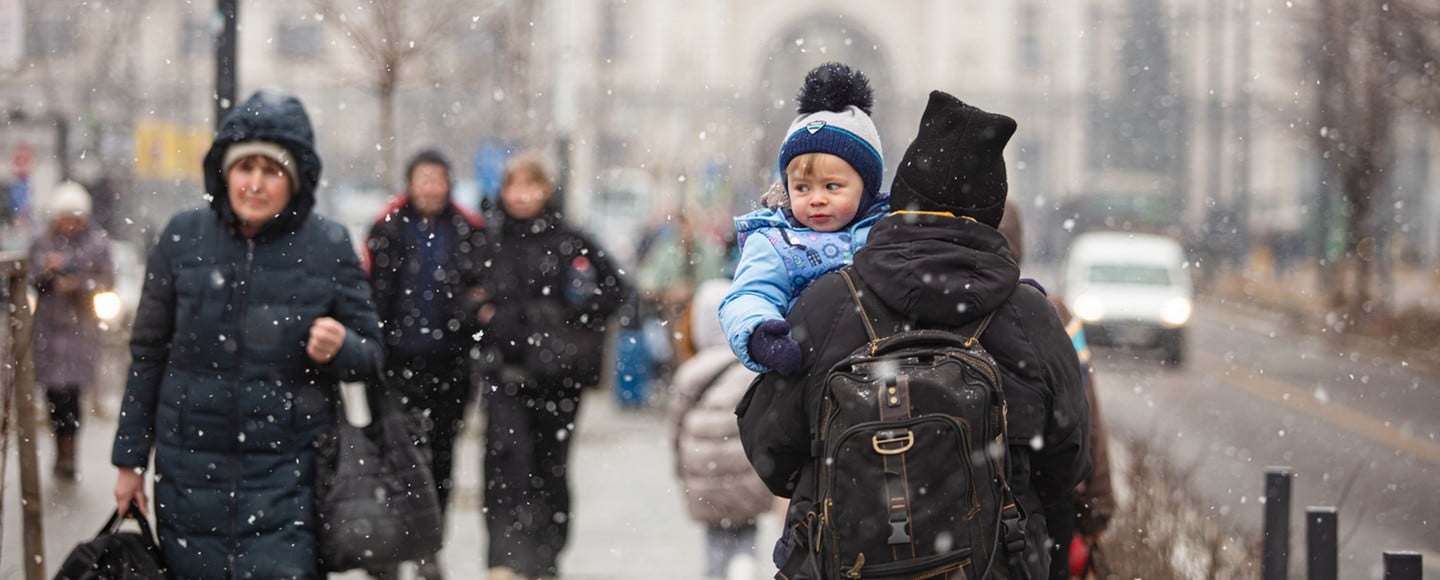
point(374, 493)
point(114, 554)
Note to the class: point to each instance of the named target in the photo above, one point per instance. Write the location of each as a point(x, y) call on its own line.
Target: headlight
point(1176, 312)
point(1088, 308)
point(107, 305)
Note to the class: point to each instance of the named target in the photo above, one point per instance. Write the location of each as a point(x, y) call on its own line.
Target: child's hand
point(771, 345)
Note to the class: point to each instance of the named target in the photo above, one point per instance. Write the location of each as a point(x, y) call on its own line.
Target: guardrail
point(17, 379)
point(1321, 538)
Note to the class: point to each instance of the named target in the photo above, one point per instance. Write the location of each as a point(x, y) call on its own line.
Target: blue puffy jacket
point(777, 261)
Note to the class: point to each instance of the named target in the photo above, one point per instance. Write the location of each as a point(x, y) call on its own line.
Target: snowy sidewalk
point(630, 521)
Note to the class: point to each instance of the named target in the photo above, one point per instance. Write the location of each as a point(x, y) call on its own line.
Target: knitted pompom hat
point(834, 106)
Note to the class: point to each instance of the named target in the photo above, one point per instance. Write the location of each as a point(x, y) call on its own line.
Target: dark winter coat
point(941, 272)
point(543, 266)
point(67, 331)
point(394, 265)
point(220, 386)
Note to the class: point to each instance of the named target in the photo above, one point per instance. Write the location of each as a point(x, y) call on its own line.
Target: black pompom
point(832, 87)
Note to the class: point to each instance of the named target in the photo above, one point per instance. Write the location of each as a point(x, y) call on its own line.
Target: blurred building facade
point(1194, 115)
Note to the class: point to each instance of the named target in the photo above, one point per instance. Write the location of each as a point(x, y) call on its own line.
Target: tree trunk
point(385, 98)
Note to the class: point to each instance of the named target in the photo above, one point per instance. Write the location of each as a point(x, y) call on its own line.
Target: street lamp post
point(226, 14)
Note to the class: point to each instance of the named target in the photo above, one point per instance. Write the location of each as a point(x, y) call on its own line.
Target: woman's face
point(259, 190)
point(524, 196)
point(69, 224)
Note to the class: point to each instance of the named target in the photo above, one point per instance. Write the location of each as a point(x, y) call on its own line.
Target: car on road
point(1130, 290)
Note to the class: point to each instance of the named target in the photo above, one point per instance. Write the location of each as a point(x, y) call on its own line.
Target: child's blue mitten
point(771, 345)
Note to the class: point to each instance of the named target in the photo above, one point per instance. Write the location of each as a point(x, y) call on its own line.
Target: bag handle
point(133, 512)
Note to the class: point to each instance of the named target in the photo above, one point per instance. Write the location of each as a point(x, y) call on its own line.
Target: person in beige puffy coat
point(722, 490)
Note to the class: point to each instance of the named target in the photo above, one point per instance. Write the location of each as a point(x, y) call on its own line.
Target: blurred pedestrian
point(680, 256)
point(69, 264)
point(425, 273)
point(830, 168)
point(937, 262)
point(1087, 511)
point(551, 291)
point(721, 489)
point(253, 311)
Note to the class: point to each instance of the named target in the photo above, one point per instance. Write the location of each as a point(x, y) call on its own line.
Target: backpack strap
point(878, 315)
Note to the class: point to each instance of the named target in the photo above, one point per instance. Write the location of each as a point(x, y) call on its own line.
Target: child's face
point(824, 191)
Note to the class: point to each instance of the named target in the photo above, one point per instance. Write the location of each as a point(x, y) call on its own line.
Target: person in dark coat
point(69, 264)
point(252, 311)
point(938, 261)
point(426, 278)
point(551, 291)
point(1086, 512)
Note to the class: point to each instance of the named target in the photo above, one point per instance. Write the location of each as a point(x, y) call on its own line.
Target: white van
point(1130, 290)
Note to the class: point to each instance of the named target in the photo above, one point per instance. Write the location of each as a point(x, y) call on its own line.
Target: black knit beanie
point(956, 162)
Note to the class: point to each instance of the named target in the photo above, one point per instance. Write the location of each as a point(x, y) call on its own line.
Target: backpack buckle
point(1014, 534)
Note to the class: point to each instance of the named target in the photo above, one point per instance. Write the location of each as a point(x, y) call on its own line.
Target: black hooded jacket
point(537, 266)
point(220, 387)
point(943, 273)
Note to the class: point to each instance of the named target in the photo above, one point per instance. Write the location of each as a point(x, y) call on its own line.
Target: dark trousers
point(64, 410)
point(528, 430)
point(1060, 519)
point(440, 389)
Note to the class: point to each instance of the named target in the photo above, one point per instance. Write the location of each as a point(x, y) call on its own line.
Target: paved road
point(1360, 428)
point(629, 523)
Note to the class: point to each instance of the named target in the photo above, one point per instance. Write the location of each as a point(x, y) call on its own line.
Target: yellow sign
point(165, 150)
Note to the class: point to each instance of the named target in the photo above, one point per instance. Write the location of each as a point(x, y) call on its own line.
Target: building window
point(1029, 38)
point(196, 38)
point(299, 40)
point(610, 31)
point(50, 38)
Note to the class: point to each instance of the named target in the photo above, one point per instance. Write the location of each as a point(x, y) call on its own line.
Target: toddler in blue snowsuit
point(831, 166)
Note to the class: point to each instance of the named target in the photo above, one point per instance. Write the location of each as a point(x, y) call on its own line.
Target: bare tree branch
point(390, 34)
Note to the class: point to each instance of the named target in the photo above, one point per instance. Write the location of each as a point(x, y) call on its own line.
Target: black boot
point(430, 568)
point(65, 457)
point(387, 572)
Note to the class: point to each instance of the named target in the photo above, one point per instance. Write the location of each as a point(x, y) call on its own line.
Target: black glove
point(771, 345)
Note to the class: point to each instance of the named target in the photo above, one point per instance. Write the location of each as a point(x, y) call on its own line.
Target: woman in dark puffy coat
point(551, 290)
point(252, 311)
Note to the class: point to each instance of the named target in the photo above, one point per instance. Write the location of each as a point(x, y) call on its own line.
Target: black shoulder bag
point(116, 554)
point(374, 492)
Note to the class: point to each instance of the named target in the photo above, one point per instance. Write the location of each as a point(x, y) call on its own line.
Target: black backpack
point(114, 554)
point(912, 457)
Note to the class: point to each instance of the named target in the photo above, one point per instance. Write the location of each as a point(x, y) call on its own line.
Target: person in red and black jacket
point(426, 275)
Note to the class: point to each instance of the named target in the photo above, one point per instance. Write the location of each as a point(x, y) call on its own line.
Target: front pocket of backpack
point(936, 566)
point(899, 490)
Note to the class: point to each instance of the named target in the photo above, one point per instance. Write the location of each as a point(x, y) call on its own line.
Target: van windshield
point(1129, 274)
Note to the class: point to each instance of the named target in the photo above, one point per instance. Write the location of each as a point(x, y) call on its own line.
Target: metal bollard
point(1321, 543)
point(1402, 565)
point(1274, 560)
